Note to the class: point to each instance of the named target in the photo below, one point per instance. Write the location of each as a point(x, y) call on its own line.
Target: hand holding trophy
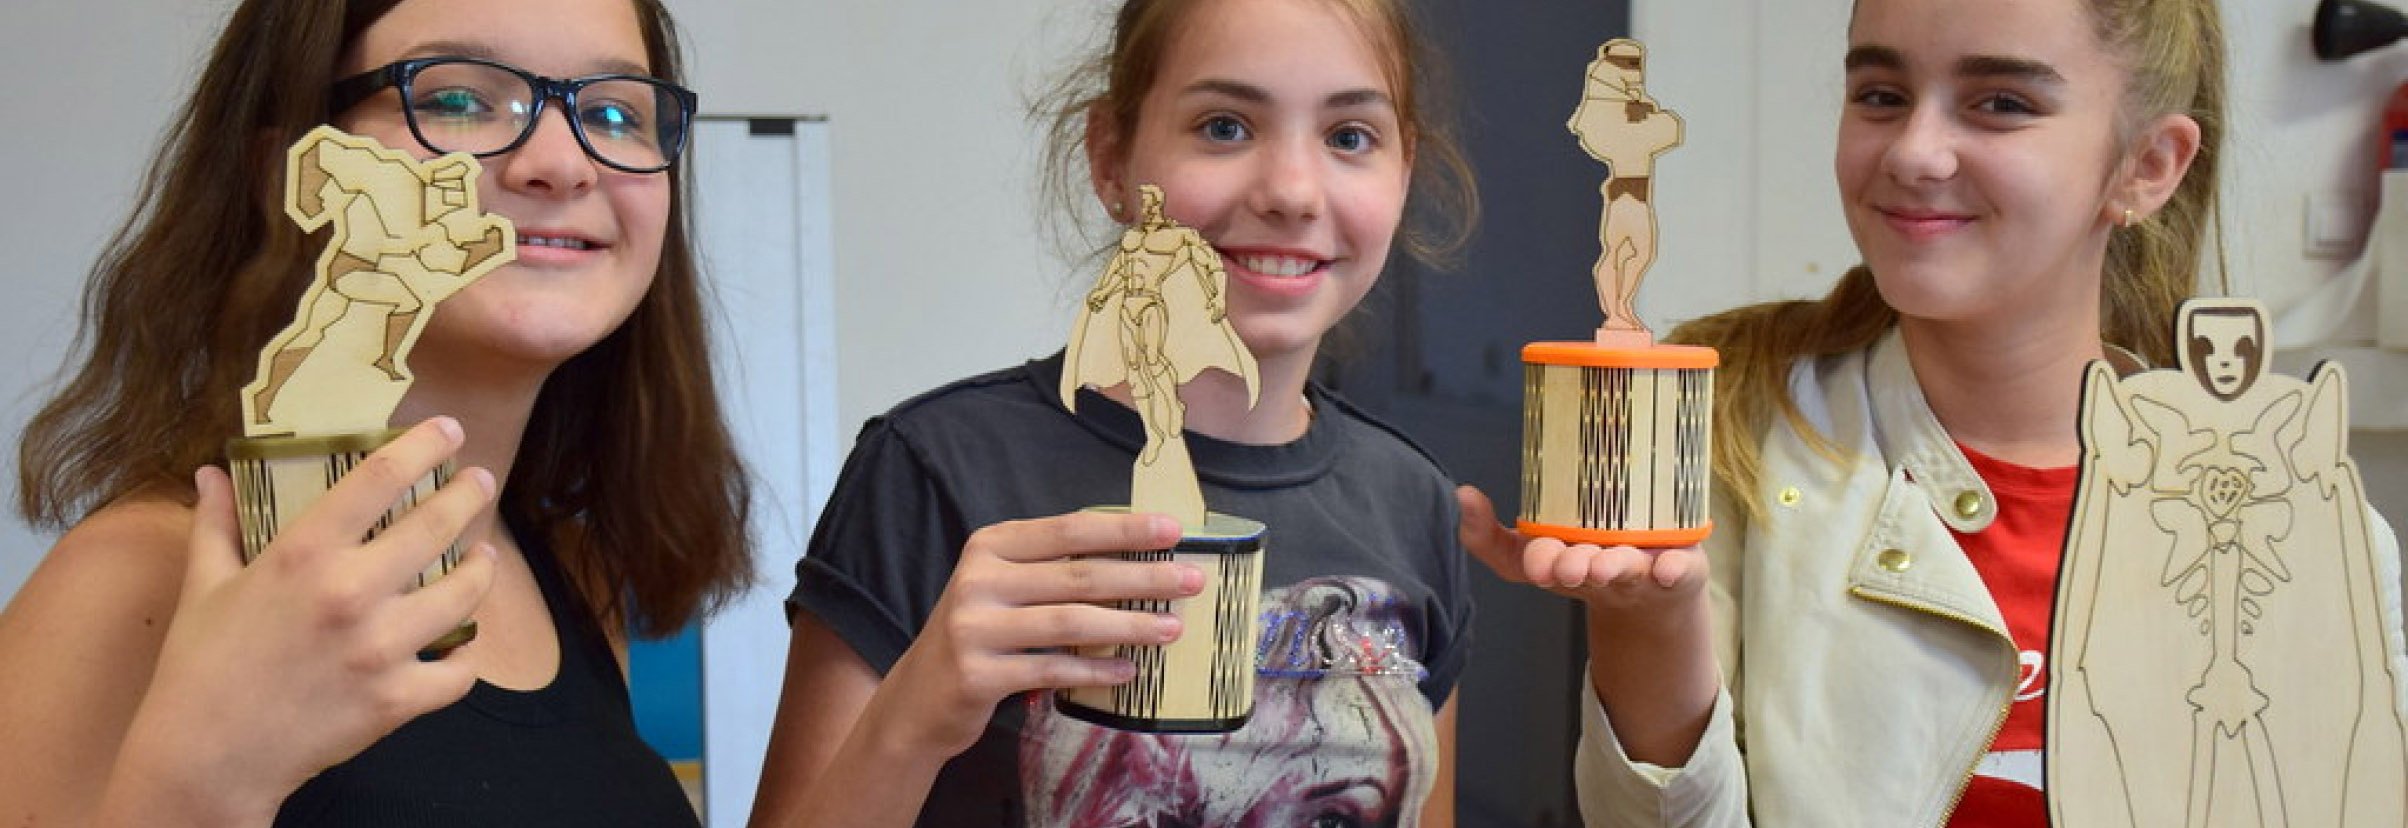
point(405, 235)
point(1162, 302)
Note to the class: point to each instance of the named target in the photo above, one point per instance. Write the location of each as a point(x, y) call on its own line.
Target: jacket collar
point(1913, 442)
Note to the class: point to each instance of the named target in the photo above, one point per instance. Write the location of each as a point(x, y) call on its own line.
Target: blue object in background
point(664, 681)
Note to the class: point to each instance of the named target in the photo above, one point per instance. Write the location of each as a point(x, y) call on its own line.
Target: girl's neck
point(2013, 390)
point(493, 410)
point(1216, 402)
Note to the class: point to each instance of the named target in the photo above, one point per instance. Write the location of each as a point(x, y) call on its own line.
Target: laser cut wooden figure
point(1617, 431)
point(1619, 124)
point(1163, 301)
point(2218, 625)
point(1156, 319)
point(406, 235)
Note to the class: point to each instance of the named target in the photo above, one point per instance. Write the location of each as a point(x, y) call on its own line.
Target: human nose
point(1290, 183)
point(1923, 149)
point(550, 161)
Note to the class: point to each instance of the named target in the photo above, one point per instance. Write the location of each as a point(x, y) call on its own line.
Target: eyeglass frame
point(344, 94)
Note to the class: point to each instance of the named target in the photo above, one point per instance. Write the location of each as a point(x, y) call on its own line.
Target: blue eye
point(458, 103)
point(1352, 139)
point(1222, 128)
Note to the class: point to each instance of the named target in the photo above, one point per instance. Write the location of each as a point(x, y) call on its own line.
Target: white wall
point(100, 80)
point(941, 270)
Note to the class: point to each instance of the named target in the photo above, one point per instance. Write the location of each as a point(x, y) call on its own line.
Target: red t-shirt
point(2017, 558)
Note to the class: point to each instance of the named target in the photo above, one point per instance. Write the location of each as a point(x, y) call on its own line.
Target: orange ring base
point(1643, 538)
point(1588, 355)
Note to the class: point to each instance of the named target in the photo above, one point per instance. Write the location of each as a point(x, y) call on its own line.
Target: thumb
point(215, 553)
point(1482, 535)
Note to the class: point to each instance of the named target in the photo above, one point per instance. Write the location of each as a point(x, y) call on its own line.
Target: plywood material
point(1156, 319)
point(406, 234)
point(2221, 651)
point(1620, 124)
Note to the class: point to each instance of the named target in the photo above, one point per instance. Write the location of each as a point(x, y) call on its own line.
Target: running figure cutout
point(1620, 125)
point(407, 235)
point(2221, 601)
point(1165, 299)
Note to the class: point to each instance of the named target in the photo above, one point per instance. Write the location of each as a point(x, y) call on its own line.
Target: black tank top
point(566, 754)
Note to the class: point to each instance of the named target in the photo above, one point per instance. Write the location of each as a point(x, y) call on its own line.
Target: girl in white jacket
point(1862, 640)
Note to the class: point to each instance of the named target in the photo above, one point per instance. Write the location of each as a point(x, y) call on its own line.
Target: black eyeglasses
point(629, 123)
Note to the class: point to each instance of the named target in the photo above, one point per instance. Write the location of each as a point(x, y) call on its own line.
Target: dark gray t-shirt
point(1365, 612)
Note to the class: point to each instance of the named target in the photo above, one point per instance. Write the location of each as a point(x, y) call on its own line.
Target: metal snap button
point(1969, 504)
point(1895, 560)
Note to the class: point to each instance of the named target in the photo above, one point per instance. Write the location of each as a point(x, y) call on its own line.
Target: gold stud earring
point(2130, 218)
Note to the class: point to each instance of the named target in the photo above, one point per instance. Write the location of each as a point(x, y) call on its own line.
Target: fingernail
point(1191, 579)
point(1121, 672)
point(1161, 526)
point(450, 427)
point(1166, 628)
point(483, 478)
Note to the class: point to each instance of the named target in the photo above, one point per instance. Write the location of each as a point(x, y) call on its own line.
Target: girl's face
point(1273, 131)
point(556, 300)
point(1979, 160)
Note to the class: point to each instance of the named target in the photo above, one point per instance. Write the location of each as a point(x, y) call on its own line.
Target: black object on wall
point(2348, 27)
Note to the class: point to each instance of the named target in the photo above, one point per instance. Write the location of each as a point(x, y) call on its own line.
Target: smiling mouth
point(1922, 216)
point(560, 242)
point(1279, 265)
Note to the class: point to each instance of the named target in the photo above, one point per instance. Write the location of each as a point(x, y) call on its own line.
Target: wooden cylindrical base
point(1203, 682)
point(276, 479)
point(1617, 443)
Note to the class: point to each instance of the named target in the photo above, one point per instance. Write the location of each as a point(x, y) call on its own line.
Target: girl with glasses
point(154, 680)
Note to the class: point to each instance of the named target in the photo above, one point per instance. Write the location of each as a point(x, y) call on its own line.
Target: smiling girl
point(949, 571)
point(2030, 184)
point(154, 680)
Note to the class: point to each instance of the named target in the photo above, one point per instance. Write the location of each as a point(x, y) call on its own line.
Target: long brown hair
point(1444, 203)
point(626, 465)
point(2173, 51)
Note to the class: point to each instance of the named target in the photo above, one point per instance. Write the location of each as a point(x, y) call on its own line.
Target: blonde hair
point(2173, 52)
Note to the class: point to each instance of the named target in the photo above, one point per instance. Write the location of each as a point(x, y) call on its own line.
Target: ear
point(2161, 155)
point(1107, 161)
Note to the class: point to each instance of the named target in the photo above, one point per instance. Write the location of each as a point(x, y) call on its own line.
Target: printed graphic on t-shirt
point(2006, 786)
point(1340, 736)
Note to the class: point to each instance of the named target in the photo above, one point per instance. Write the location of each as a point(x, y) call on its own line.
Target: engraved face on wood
point(2225, 348)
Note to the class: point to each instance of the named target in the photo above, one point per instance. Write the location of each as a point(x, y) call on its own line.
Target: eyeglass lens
point(475, 108)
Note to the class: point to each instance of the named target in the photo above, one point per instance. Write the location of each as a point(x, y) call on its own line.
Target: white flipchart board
point(761, 217)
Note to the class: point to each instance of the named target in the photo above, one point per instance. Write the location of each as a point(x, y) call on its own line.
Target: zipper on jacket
point(1996, 724)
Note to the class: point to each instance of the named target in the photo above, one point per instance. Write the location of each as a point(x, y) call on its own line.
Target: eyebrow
point(464, 48)
point(1250, 93)
point(1974, 66)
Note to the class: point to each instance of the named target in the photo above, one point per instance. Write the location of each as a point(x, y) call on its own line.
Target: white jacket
point(1866, 690)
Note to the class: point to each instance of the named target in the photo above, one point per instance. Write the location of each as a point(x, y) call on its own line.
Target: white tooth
point(1278, 265)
